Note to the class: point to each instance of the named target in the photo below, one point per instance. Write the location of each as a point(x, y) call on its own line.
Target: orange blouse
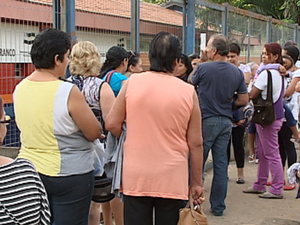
point(158, 110)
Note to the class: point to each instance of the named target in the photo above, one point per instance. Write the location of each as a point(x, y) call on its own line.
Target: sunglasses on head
point(6, 120)
point(132, 54)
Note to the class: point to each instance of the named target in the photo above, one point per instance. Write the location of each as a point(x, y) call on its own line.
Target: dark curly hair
point(46, 45)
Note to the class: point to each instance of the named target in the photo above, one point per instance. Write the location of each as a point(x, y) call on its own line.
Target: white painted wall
point(12, 46)
point(103, 41)
point(14, 50)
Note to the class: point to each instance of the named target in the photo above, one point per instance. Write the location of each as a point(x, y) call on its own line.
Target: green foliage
point(287, 10)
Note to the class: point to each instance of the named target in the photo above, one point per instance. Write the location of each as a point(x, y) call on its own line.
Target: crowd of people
point(151, 132)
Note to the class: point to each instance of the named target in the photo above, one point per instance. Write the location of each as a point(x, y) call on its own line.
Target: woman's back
point(158, 109)
point(50, 138)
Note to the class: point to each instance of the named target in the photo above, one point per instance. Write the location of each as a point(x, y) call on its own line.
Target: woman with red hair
point(267, 138)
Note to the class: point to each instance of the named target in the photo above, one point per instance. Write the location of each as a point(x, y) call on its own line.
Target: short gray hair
point(220, 43)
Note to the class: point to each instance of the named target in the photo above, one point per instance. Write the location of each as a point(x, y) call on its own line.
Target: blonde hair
point(85, 59)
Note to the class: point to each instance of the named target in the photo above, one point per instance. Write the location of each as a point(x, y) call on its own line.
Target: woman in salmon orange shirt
point(163, 128)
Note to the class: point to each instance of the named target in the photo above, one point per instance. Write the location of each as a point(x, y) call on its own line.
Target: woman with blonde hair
point(57, 129)
point(85, 64)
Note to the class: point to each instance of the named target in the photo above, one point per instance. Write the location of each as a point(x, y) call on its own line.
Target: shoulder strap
point(109, 75)
point(99, 92)
point(270, 88)
point(282, 87)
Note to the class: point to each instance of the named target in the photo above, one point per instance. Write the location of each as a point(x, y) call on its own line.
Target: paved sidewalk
point(249, 209)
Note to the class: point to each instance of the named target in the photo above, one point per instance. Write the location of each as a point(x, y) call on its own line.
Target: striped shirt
point(23, 199)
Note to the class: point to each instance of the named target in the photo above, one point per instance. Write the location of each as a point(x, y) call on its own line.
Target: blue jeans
point(216, 134)
point(69, 198)
point(290, 120)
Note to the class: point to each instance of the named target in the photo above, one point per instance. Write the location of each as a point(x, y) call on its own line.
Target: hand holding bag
point(264, 112)
point(192, 215)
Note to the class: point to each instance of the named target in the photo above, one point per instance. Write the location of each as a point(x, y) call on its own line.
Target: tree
point(286, 10)
point(291, 11)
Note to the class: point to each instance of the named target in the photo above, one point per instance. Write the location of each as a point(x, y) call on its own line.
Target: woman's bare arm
point(83, 116)
point(107, 99)
point(117, 114)
point(195, 143)
point(291, 89)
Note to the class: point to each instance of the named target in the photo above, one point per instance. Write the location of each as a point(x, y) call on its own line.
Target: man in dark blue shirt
point(216, 82)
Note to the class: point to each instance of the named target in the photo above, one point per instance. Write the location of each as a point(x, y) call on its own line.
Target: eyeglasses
point(132, 54)
point(6, 120)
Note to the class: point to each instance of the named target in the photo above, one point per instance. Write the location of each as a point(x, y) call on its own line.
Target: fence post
point(184, 27)
point(56, 14)
point(296, 34)
point(249, 39)
point(269, 29)
point(135, 26)
point(70, 19)
point(225, 13)
point(190, 27)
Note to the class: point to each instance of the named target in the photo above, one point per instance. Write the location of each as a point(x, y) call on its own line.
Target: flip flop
point(289, 188)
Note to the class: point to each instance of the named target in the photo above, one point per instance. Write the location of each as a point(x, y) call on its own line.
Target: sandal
point(289, 188)
point(251, 158)
point(240, 181)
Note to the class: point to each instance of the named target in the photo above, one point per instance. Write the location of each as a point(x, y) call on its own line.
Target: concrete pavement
point(249, 209)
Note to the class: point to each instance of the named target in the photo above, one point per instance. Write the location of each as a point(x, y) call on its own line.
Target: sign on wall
point(15, 42)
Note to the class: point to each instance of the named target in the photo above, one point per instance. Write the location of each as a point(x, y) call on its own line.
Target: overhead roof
point(149, 12)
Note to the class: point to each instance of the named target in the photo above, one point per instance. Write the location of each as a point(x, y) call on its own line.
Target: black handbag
point(264, 112)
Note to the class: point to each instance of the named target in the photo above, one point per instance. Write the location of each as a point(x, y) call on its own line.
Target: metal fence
point(250, 30)
point(20, 22)
point(127, 23)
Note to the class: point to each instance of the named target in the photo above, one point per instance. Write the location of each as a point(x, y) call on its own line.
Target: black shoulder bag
point(264, 112)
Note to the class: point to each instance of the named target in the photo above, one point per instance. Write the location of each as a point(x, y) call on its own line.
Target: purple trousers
point(269, 158)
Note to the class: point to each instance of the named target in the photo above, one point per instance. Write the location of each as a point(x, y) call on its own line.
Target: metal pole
point(184, 27)
point(269, 30)
point(56, 14)
point(68, 23)
point(296, 34)
point(249, 37)
point(135, 26)
point(225, 19)
point(190, 43)
point(70, 19)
